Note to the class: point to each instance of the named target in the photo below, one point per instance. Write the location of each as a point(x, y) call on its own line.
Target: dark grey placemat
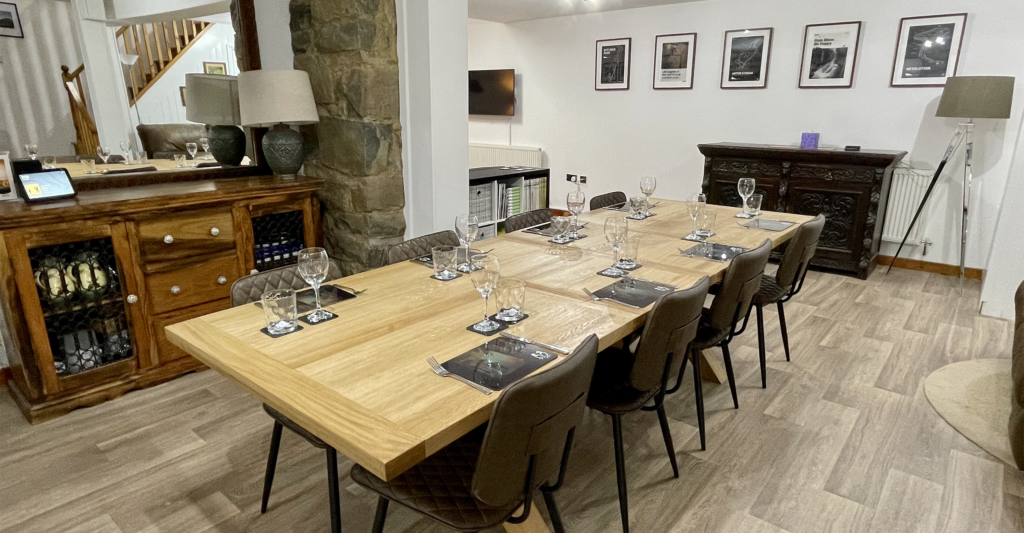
point(634, 292)
point(715, 252)
point(499, 363)
point(767, 224)
point(266, 332)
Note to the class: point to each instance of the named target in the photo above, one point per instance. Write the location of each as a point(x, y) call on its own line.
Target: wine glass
point(485, 277)
point(32, 149)
point(467, 227)
point(204, 143)
point(695, 207)
point(191, 148)
point(745, 186)
point(647, 186)
point(313, 266)
point(104, 153)
point(615, 231)
point(125, 147)
point(574, 201)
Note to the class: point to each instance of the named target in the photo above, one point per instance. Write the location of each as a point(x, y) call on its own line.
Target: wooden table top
point(361, 382)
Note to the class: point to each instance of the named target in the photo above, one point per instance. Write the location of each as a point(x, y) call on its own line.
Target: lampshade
point(212, 99)
point(977, 97)
point(269, 97)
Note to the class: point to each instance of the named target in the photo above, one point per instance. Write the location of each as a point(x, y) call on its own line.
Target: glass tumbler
point(511, 298)
point(706, 224)
point(281, 312)
point(753, 204)
point(629, 252)
point(88, 164)
point(637, 207)
point(49, 162)
point(179, 161)
point(559, 229)
point(444, 262)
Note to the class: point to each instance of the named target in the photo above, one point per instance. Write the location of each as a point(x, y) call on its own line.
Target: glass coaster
point(570, 241)
point(267, 332)
point(636, 266)
point(501, 327)
point(434, 276)
point(305, 319)
point(609, 274)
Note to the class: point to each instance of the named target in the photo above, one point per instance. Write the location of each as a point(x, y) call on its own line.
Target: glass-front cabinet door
point(82, 303)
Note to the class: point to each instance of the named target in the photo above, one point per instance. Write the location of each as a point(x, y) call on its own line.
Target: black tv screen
point(492, 92)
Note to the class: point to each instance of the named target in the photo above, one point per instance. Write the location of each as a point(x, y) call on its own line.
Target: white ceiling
point(516, 10)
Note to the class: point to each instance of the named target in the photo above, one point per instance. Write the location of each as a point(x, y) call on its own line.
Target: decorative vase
point(282, 147)
point(227, 143)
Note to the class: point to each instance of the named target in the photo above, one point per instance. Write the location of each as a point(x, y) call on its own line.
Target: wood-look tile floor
point(842, 440)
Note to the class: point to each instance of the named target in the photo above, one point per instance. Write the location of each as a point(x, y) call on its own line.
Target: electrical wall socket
point(583, 180)
point(570, 178)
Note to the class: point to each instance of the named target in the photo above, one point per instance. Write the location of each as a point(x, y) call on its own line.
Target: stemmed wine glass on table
point(204, 143)
point(32, 149)
point(745, 186)
point(466, 227)
point(104, 153)
point(647, 186)
point(574, 201)
point(485, 277)
point(191, 148)
point(126, 147)
point(615, 231)
point(695, 205)
point(313, 266)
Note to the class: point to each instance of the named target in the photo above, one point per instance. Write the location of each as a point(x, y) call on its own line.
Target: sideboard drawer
point(202, 282)
point(176, 237)
point(167, 352)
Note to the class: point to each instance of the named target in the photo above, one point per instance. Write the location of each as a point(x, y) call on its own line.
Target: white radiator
point(496, 155)
point(905, 195)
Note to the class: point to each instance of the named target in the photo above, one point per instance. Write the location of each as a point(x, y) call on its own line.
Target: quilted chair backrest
point(799, 252)
point(420, 246)
point(671, 326)
point(527, 220)
point(742, 281)
point(608, 199)
point(251, 288)
point(1017, 378)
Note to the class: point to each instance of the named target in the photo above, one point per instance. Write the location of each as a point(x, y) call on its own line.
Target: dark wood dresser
point(850, 188)
point(88, 284)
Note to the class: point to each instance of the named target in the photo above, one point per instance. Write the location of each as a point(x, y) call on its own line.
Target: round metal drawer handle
point(214, 231)
point(222, 280)
point(168, 239)
point(132, 299)
point(175, 290)
point(253, 272)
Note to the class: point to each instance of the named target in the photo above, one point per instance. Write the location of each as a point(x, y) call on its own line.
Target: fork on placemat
point(445, 373)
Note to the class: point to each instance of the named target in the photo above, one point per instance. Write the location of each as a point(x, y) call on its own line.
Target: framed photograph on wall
point(10, 21)
point(215, 67)
point(746, 57)
point(673, 60)
point(613, 61)
point(7, 191)
point(830, 55)
point(928, 50)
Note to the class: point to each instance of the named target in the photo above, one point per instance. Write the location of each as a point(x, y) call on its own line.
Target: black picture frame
point(849, 60)
point(622, 70)
point(905, 33)
point(690, 40)
point(10, 21)
point(764, 58)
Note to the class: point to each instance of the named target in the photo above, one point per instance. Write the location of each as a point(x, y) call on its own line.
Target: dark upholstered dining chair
point(247, 290)
point(608, 199)
point(1016, 425)
point(420, 246)
point(528, 219)
point(624, 382)
point(718, 324)
point(480, 480)
point(786, 283)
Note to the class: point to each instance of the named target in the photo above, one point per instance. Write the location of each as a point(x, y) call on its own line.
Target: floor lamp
point(967, 97)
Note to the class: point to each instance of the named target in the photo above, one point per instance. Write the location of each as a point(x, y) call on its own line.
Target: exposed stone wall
point(349, 49)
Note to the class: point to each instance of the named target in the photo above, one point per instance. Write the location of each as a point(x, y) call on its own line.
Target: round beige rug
point(974, 397)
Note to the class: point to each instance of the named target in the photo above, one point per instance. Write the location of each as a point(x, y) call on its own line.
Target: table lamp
point(277, 99)
point(212, 99)
point(967, 97)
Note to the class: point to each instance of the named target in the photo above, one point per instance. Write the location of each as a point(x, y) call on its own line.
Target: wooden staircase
point(158, 45)
point(86, 139)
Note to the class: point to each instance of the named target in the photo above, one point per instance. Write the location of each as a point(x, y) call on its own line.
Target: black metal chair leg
point(760, 346)
point(382, 514)
point(556, 516)
point(268, 478)
point(730, 374)
point(663, 418)
point(698, 394)
point(782, 327)
point(333, 490)
point(620, 471)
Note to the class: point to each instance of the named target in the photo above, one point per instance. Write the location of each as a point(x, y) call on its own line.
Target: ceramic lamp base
point(282, 147)
point(227, 143)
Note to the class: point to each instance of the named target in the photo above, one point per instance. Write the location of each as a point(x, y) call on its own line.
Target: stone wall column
point(348, 47)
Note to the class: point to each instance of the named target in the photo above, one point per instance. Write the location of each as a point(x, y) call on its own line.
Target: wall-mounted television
point(492, 92)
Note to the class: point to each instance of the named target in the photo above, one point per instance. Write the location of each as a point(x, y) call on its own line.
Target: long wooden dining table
point(361, 381)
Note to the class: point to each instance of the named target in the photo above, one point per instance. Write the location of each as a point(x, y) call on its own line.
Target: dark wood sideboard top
point(830, 156)
point(128, 200)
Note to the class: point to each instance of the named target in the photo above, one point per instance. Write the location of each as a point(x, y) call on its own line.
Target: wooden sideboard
point(850, 188)
point(88, 284)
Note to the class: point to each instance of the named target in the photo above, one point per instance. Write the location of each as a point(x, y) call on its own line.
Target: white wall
point(614, 137)
point(33, 103)
point(272, 25)
point(432, 56)
point(162, 102)
point(1006, 262)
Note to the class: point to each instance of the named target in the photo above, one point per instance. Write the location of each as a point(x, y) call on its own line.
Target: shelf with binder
point(496, 193)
